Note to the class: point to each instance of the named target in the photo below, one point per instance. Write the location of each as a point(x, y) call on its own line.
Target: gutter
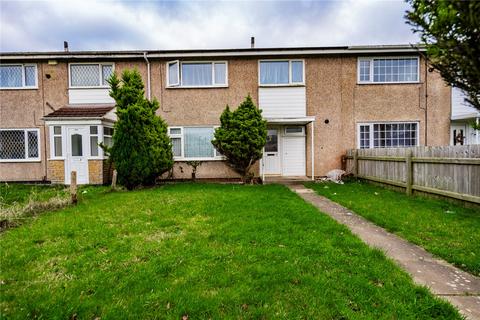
point(149, 96)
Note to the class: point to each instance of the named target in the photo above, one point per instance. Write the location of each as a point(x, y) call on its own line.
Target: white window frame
point(23, 65)
point(371, 59)
point(371, 135)
point(179, 83)
point(100, 71)
point(27, 159)
point(302, 133)
point(181, 135)
point(290, 82)
point(52, 142)
point(99, 136)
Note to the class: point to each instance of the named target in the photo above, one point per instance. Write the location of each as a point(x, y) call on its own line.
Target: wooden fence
point(451, 171)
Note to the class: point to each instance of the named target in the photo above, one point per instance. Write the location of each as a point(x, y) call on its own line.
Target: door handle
point(270, 154)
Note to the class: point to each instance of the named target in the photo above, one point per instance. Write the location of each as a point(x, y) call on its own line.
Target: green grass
point(445, 229)
point(14, 193)
point(202, 250)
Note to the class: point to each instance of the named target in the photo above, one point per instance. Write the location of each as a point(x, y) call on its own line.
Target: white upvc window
point(90, 75)
point(56, 142)
point(19, 145)
point(193, 143)
point(294, 130)
point(108, 136)
point(387, 135)
point(382, 70)
point(94, 141)
point(197, 74)
point(281, 72)
point(18, 76)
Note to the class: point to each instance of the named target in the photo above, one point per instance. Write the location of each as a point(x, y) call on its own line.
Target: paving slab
point(460, 288)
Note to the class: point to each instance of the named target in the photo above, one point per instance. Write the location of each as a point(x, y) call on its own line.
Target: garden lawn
point(445, 229)
point(20, 194)
point(202, 251)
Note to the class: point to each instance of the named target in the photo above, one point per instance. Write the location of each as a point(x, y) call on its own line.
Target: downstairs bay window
point(193, 143)
point(19, 145)
point(387, 135)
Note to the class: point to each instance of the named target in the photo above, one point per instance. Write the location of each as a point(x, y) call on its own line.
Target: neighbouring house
point(463, 116)
point(318, 101)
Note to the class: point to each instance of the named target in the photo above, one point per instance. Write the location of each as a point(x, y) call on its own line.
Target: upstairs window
point(281, 72)
point(18, 76)
point(197, 74)
point(90, 74)
point(388, 70)
point(19, 145)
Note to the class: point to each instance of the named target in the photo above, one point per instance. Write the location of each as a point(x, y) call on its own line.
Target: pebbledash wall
point(333, 97)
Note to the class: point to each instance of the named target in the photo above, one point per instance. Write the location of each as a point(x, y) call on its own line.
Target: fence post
point(355, 162)
point(73, 187)
point(114, 179)
point(408, 172)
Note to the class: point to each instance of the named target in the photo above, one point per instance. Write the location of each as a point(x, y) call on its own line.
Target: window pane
point(107, 71)
point(57, 130)
point(10, 76)
point(365, 70)
point(196, 74)
point(12, 144)
point(272, 141)
point(77, 149)
point(173, 73)
point(94, 146)
point(176, 147)
point(395, 70)
point(108, 141)
point(274, 72)
point(220, 73)
point(84, 75)
point(364, 137)
point(108, 131)
point(30, 76)
point(198, 142)
point(297, 71)
point(175, 130)
point(293, 129)
point(32, 144)
point(57, 146)
point(93, 130)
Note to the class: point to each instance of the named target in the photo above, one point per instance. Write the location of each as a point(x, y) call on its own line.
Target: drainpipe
point(149, 96)
point(312, 151)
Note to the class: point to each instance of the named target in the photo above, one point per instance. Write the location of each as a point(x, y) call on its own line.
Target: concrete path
point(458, 287)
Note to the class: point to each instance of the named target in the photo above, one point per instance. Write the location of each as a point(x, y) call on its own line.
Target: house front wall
point(332, 96)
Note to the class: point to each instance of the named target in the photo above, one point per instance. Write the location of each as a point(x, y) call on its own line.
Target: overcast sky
point(118, 25)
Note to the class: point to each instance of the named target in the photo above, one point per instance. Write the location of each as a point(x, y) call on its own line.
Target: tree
point(451, 33)
point(241, 137)
point(141, 149)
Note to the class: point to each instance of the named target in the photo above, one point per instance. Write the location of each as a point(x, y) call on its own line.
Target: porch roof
point(297, 120)
point(80, 112)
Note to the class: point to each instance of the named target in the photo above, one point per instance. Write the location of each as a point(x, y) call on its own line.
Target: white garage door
point(293, 156)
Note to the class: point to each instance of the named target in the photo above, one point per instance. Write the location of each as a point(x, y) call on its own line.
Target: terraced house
point(319, 101)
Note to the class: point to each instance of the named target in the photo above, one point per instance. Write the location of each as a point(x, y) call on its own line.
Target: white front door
point(271, 155)
point(293, 155)
point(77, 149)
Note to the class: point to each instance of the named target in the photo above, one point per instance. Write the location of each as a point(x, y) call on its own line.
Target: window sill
point(281, 85)
point(197, 87)
point(19, 88)
point(19, 160)
point(198, 159)
point(377, 83)
point(89, 87)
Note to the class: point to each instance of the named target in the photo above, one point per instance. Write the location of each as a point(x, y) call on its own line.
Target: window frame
point(100, 74)
point(371, 142)
point(371, 59)
point(181, 158)
point(179, 83)
point(99, 136)
point(27, 158)
point(301, 133)
point(52, 142)
point(290, 82)
point(23, 87)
